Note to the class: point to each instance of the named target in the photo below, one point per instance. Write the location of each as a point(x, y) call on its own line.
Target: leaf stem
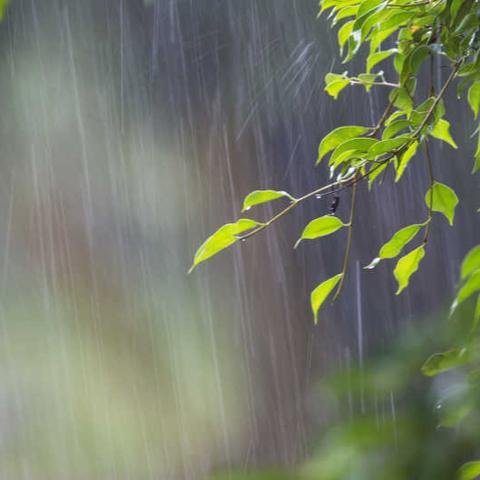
point(428, 160)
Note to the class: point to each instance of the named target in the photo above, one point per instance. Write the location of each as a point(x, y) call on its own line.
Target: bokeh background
point(131, 130)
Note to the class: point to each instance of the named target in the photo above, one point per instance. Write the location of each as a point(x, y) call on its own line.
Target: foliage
point(422, 32)
point(419, 34)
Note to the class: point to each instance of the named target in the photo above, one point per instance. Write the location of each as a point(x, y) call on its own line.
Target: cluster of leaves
point(464, 358)
point(418, 32)
point(409, 36)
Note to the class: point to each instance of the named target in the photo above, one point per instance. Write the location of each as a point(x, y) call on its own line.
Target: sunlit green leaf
point(471, 286)
point(320, 227)
point(444, 200)
point(375, 171)
point(335, 83)
point(387, 146)
point(360, 144)
point(396, 244)
point(421, 111)
point(476, 314)
point(402, 99)
point(221, 239)
point(338, 136)
point(367, 79)
point(469, 471)
point(3, 7)
point(471, 262)
point(441, 362)
point(407, 266)
point(262, 196)
point(343, 34)
point(476, 164)
point(474, 98)
point(441, 130)
point(321, 292)
point(377, 57)
point(395, 127)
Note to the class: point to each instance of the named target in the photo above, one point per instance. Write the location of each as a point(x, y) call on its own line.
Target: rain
point(130, 131)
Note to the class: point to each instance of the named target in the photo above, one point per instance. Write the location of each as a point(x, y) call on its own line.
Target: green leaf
point(396, 244)
point(387, 146)
point(367, 79)
point(224, 237)
point(321, 227)
point(441, 362)
point(454, 8)
point(343, 34)
point(401, 99)
point(335, 84)
point(375, 171)
point(262, 196)
point(321, 292)
point(377, 57)
point(471, 286)
point(476, 165)
point(474, 98)
point(469, 471)
point(407, 266)
point(360, 144)
point(394, 128)
point(441, 130)
point(471, 262)
point(338, 136)
point(3, 7)
point(476, 314)
point(444, 200)
point(418, 115)
point(417, 57)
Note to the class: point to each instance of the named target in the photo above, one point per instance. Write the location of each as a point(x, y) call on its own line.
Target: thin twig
point(346, 255)
point(428, 160)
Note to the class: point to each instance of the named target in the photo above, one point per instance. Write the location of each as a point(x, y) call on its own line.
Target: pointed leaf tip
point(258, 197)
point(407, 266)
point(444, 200)
point(320, 227)
point(321, 292)
point(224, 237)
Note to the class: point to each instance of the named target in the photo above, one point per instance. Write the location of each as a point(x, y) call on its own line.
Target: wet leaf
point(335, 83)
point(474, 98)
point(320, 227)
point(471, 286)
point(407, 266)
point(395, 245)
point(441, 362)
point(417, 57)
point(360, 144)
point(377, 57)
point(367, 79)
point(441, 130)
point(444, 200)
point(321, 292)
point(469, 471)
point(471, 262)
point(387, 146)
point(258, 197)
point(221, 239)
point(405, 160)
point(338, 136)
